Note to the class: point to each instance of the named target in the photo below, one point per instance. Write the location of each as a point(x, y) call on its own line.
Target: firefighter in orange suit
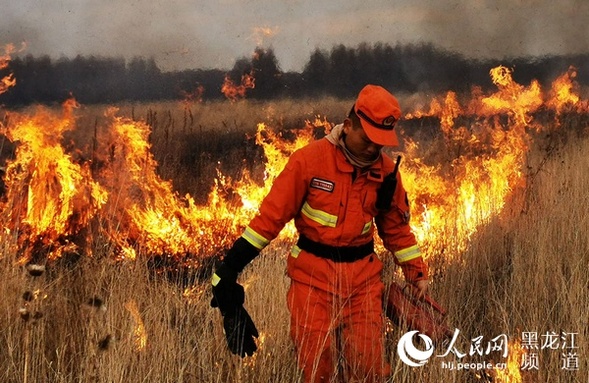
point(338, 190)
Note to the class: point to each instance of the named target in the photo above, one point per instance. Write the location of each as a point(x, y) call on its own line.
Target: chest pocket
point(323, 202)
point(369, 202)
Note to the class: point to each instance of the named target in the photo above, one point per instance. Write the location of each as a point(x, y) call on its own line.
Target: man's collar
point(344, 166)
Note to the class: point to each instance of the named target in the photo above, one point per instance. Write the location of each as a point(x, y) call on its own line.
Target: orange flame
point(234, 92)
point(512, 372)
point(194, 96)
point(8, 80)
point(139, 332)
point(260, 34)
point(49, 195)
point(61, 200)
point(52, 198)
point(451, 200)
point(512, 98)
point(564, 93)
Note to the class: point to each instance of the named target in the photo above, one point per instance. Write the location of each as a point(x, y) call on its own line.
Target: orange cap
point(378, 111)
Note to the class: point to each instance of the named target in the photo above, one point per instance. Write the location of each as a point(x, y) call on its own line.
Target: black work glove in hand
point(240, 331)
point(228, 296)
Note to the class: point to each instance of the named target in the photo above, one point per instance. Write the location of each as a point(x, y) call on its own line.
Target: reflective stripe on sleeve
point(254, 238)
point(366, 227)
point(408, 254)
point(295, 251)
point(319, 216)
point(215, 280)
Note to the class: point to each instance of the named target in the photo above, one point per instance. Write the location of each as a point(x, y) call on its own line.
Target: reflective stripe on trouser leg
point(311, 331)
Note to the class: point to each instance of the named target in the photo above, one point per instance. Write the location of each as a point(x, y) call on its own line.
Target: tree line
point(340, 72)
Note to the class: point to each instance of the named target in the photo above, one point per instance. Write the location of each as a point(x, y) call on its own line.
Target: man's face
point(358, 142)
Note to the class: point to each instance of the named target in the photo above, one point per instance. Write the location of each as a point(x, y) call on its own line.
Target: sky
point(204, 34)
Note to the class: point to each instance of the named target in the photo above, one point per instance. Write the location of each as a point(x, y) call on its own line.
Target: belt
point(336, 253)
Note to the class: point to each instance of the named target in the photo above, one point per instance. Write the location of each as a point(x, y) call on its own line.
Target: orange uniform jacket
point(334, 204)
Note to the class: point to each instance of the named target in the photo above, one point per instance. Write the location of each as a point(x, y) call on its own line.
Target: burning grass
point(87, 194)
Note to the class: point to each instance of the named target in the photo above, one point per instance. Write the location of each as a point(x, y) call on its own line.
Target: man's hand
point(240, 332)
point(419, 288)
point(229, 296)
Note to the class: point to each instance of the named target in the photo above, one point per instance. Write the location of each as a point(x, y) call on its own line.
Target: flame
point(563, 92)
point(512, 372)
point(261, 33)
point(55, 201)
point(512, 98)
point(49, 195)
point(60, 200)
point(195, 96)
point(453, 199)
point(139, 333)
point(234, 92)
point(8, 80)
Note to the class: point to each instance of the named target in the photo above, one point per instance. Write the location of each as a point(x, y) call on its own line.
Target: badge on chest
point(321, 184)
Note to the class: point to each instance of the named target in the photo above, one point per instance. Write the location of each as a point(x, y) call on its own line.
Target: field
point(523, 269)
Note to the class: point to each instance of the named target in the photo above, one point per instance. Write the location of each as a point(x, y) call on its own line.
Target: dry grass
point(524, 271)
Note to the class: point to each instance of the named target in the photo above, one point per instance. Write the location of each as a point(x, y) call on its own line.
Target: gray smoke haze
point(214, 33)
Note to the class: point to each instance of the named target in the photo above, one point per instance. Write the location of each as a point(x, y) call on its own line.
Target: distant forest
point(339, 72)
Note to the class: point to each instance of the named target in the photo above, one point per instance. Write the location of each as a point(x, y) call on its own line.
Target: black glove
point(240, 331)
point(228, 296)
point(384, 196)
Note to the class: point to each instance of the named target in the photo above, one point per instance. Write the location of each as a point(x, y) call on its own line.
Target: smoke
point(214, 33)
point(507, 28)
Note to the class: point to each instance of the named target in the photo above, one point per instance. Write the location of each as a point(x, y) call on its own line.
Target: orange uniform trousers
point(338, 332)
